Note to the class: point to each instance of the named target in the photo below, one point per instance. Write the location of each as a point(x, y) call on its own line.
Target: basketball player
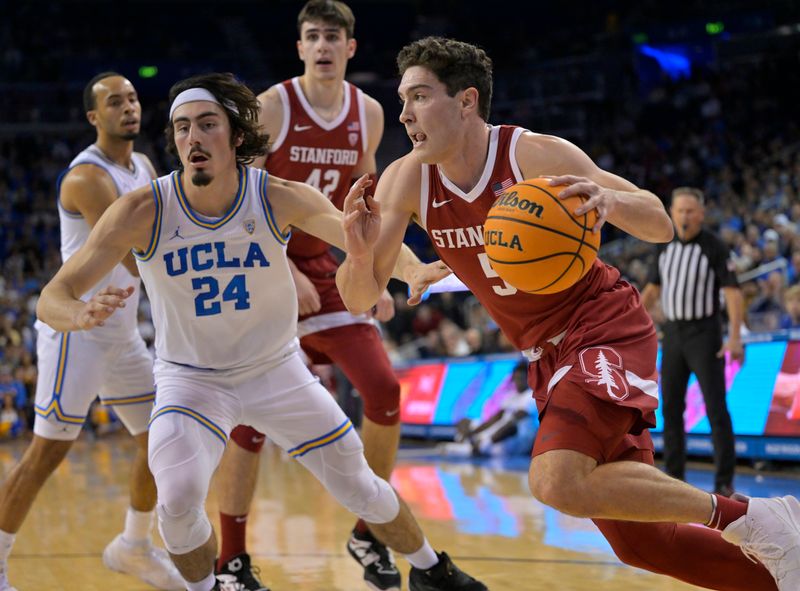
point(112, 361)
point(225, 313)
point(593, 456)
point(325, 132)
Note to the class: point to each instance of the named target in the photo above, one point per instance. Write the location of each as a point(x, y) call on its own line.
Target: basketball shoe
point(4, 584)
point(770, 532)
point(145, 562)
point(380, 571)
point(227, 583)
point(243, 572)
point(443, 576)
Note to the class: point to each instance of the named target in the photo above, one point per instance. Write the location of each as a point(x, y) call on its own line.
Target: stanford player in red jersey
point(593, 455)
point(324, 132)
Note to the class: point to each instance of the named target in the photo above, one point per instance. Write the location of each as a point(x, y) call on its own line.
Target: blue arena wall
point(763, 397)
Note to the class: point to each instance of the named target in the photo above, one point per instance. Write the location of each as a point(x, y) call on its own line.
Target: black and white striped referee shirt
point(691, 275)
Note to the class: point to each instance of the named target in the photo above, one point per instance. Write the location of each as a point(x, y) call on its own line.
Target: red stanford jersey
point(454, 221)
point(320, 153)
point(594, 335)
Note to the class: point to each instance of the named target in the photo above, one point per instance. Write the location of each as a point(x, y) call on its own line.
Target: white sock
point(206, 584)
point(424, 558)
point(6, 541)
point(137, 526)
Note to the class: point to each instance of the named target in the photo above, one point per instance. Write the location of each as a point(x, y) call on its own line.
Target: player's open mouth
point(324, 63)
point(197, 158)
point(417, 138)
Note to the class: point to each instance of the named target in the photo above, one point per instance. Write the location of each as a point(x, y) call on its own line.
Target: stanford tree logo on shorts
point(604, 366)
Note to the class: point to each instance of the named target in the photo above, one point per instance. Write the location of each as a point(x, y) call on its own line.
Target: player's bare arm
point(638, 212)
point(375, 235)
point(150, 167)
point(126, 224)
point(270, 118)
point(298, 205)
point(90, 190)
point(367, 164)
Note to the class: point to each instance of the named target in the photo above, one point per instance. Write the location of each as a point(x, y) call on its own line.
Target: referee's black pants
point(692, 346)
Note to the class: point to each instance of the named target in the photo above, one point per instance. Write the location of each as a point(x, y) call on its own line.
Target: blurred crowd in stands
point(730, 128)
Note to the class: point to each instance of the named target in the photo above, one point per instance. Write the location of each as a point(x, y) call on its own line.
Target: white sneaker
point(770, 532)
point(145, 562)
point(4, 584)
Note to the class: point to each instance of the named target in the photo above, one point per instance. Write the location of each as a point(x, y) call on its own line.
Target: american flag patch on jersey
point(499, 188)
point(354, 126)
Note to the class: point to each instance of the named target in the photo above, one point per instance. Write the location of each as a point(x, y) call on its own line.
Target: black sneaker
point(380, 571)
point(243, 573)
point(444, 576)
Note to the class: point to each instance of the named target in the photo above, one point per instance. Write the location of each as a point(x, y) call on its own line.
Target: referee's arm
point(735, 305)
point(652, 290)
point(650, 294)
point(734, 302)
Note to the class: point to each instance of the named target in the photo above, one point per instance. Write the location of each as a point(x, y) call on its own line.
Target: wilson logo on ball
point(511, 199)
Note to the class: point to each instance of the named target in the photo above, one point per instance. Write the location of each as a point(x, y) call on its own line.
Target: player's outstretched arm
point(638, 212)
point(375, 231)
point(126, 224)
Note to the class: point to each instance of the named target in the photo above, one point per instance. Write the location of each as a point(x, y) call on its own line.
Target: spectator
point(791, 303)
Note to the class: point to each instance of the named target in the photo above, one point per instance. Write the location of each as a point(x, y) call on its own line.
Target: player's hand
point(308, 300)
point(361, 221)
point(420, 277)
point(600, 198)
point(735, 348)
point(101, 305)
point(383, 311)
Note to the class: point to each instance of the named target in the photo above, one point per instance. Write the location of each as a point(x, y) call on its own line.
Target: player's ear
point(91, 117)
point(469, 100)
point(351, 47)
point(300, 49)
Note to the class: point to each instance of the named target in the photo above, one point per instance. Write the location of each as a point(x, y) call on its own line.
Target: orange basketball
point(534, 241)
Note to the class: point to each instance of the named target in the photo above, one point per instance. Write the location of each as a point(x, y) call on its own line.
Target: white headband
point(191, 95)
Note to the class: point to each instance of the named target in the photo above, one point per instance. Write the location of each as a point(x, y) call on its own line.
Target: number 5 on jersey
point(506, 289)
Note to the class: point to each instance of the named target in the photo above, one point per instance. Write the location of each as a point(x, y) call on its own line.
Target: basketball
point(534, 241)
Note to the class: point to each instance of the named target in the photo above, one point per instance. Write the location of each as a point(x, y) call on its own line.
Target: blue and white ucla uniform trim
point(327, 439)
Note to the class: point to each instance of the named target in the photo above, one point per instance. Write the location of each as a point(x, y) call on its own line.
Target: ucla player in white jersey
point(112, 361)
point(210, 241)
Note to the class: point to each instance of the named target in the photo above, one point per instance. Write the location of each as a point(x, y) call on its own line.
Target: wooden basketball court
point(485, 518)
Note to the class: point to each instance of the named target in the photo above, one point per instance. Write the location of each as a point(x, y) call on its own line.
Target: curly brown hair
point(457, 65)
point(244, 124)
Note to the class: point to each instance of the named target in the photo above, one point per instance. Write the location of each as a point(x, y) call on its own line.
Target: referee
point(689, 274)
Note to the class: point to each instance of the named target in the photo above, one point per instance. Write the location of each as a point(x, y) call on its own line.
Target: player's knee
point(558, 490)
point(183, 528)
point(372, 499)
point(382, 406)
point(348, 477)
point(248, 438)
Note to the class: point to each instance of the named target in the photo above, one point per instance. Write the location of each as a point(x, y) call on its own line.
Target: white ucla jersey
point(75, 230)
point(221, 292)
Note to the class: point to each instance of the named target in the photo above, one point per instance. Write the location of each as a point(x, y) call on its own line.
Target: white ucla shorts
point(74, 369)
point(284, 401)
